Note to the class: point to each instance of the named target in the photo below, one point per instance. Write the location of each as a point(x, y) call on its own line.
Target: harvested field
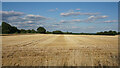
point(59, 50)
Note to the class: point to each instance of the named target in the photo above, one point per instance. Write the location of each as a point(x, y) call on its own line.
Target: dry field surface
point(59, 50)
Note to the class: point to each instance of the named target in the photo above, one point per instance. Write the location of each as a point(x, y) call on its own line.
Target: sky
point(88, 17)
point(60, 1)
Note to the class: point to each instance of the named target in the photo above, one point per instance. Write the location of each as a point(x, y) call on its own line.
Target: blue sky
point(60, 1)
point(66, 16)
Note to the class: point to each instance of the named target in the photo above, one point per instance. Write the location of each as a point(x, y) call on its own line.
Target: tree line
point(8, 29)
point(108, 33)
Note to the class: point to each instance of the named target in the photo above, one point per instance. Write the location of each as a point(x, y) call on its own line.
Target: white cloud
point(14, 19)
point(34, 17)
point(77, 9)
point(98, 17)
point(90, 19)
point(71, 10)
point(71, 21)
point(22, 20)
point(56, 8)
point(93, 18)
point(52, 10)
point(90, 27)
point(77, 20)
point(77, 13)
point(12, 16)
point(64, 21)
point(40, 25)
point(11, 13)
point(29, 22)
point(110, 21)
point(75, 27)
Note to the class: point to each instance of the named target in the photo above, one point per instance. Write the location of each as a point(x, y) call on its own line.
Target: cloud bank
point(21, 19)
point(89, 19)
point(12, 16)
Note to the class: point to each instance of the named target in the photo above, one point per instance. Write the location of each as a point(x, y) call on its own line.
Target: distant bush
point(57, 32)
point(119, 33)
point(23, 31)
point(41, 30)
point(107, 33)
point(33, 31)
point(67, 32)
point(48, 32)
point(27, 31)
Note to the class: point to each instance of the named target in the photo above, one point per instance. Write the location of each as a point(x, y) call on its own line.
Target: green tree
point(0, 29)
point(28, 31)
point(23, 31)
point(48, 32)
point(41, 30)
point(114, 32)
point(33, 31)
point(119, 33)
point(15, 30)
point(8, 29)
